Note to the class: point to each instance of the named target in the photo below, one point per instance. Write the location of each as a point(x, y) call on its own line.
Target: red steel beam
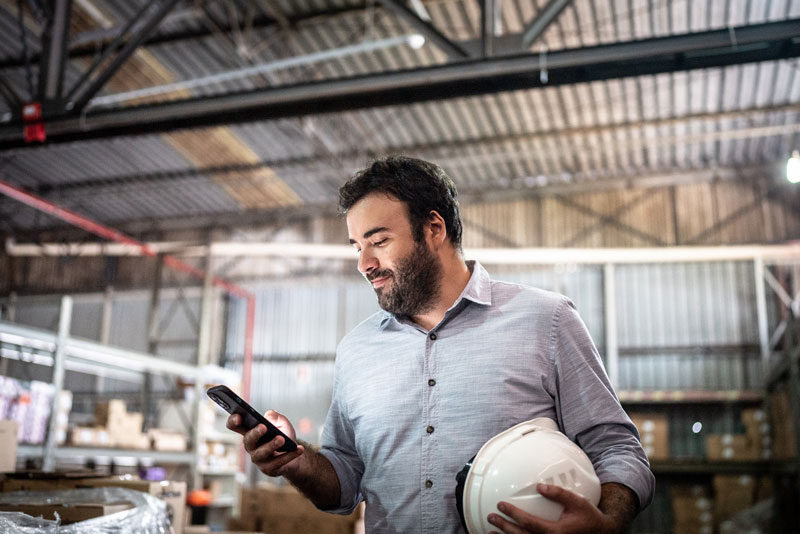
point(106, 232)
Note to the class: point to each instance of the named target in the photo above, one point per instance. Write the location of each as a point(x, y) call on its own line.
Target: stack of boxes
point(754, 444)
point(114, 427)
point(215, 455)
point(124, 428)
point(692, 510)
point(219, 456)
point(653, 431)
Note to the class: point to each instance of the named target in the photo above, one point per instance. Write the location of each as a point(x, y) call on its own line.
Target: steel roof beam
point(104, 37)
point(453, 50)
point(54, 40)
point(127, 50)
point(154, 178)
point(762, 42)
point(541, 21)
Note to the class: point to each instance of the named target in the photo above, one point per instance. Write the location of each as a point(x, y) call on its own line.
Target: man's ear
point(437, 229)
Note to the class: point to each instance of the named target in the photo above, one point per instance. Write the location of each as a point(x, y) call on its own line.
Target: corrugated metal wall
point(687, 326)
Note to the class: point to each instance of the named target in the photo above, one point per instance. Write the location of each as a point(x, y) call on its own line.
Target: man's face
point(404, 273)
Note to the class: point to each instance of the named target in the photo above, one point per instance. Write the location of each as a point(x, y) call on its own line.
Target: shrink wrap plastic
point(148, 515)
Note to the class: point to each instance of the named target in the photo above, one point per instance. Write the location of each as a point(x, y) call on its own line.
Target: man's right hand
point(265, 457)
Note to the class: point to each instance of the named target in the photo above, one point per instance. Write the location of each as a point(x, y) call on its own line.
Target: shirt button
point(428, 483)
point(433, 336)
point(430, 430)
point(431, 382)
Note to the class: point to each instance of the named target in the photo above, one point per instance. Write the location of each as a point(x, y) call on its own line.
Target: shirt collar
point(477, 290)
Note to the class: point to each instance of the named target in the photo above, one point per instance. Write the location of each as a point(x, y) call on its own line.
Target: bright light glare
point(697, 427)
point(793, 168)
point(416, 41)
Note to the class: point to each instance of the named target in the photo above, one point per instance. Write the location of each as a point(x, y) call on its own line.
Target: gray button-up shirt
point(411, 407)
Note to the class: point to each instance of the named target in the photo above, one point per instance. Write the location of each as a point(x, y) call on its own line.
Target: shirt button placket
point(430, 510)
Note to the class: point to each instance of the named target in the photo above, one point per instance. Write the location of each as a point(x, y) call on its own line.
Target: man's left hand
point(578, 516)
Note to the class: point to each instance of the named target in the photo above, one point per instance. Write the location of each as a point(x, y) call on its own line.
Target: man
point(454, 359)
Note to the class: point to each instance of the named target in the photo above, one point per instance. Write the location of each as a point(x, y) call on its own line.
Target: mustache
point(380, 274)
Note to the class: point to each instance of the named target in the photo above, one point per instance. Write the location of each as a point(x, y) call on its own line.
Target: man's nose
point(366, 263)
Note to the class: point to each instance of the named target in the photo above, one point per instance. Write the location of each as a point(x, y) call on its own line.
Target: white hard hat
point(508, 467)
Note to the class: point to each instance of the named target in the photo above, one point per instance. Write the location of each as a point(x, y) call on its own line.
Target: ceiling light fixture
point(793, 168)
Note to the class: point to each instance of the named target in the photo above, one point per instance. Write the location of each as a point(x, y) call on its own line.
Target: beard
point(414, 285)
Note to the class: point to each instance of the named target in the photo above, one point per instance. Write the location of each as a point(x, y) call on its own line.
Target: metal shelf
point(224, 501)
point(690, 396)
point(63, 352)
point(30, 451)
point(705, 467)
point(61, 452)
point(186, 457)
point(219, 471)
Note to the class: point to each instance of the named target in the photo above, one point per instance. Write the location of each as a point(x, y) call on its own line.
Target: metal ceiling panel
point(569, 134)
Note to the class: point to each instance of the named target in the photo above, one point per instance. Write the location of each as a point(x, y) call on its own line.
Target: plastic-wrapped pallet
point(139, 513)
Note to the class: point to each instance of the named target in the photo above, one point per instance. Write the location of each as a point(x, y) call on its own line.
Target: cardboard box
point(692, 509)
point(732, 494)
point(280, 509)
point(730, 447)
point(784, 441)
point(107, 411)
point(654, 433)
point(8, 445)
point(166, 440)
point(89, 436)
point(41, 481)
point(173, 493)
point(69, 513)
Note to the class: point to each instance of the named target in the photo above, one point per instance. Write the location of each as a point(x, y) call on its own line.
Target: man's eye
point(379, 243)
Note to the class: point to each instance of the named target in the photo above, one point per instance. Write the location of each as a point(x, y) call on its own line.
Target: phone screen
point(233, 404)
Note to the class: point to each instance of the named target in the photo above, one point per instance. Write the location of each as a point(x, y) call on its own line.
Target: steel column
point(51, 441)
point(610, 316)
point(761, 312)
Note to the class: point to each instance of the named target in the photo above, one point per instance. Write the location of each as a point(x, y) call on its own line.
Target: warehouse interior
point(169, 174)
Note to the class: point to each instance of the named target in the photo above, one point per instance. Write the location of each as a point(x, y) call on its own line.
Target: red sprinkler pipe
point(111, 234)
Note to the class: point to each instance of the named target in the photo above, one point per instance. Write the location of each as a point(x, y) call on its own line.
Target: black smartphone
point(234, 404)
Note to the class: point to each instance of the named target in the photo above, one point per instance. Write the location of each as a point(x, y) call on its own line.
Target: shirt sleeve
point(338, 446)
point(589, 411)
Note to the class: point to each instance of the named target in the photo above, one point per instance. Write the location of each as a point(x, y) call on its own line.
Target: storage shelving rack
point(62, 352)
point(786, 370)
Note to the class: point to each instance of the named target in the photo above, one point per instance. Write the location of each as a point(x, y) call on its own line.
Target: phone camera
point(221, 403)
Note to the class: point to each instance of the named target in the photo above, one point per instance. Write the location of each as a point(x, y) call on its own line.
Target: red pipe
point(111, 234)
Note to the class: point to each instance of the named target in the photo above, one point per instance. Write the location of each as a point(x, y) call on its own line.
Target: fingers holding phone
point(266, 456)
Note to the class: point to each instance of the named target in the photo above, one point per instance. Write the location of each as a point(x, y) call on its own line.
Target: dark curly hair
point(422, 185)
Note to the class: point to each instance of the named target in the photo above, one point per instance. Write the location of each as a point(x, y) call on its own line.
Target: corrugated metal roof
point(739, 116)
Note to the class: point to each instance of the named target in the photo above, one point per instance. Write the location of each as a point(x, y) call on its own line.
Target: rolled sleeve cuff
point(350, 496)
point(639, 478)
